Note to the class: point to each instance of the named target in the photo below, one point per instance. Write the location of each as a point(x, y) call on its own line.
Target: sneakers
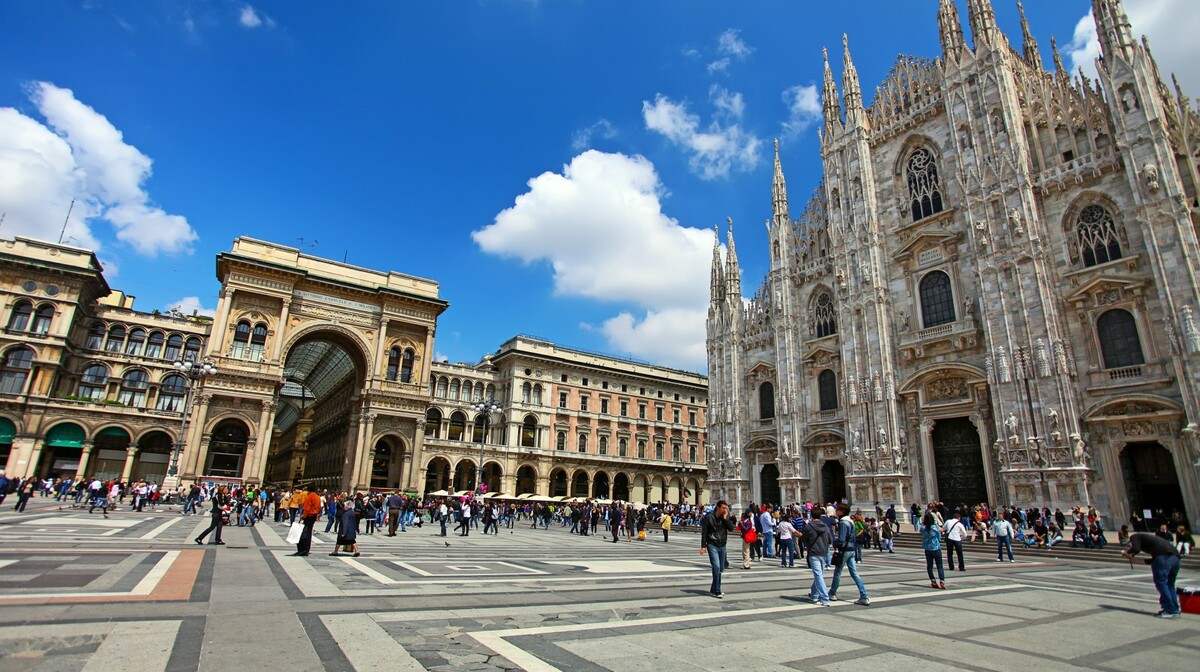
point(833, 598)
point(719, 596)
point(1011, 560)
point(999, 560)
point(826, 604)
point(1163, 614)
point(863, 602)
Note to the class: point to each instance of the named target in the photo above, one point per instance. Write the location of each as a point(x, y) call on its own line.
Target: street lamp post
point(195, 373)
point(484, 407)
point(683, 470)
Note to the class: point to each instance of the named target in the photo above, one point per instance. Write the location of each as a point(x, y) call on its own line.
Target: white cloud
point(690, 52)
point(1171, 26)
point(729, 104)
point(189, 305)
point(582, 138)
point(439, 357)
point(720, 65)
point(78, 154)
point(249, 18)
point(730, 47)
point(804, 109)
point(714, 151)
point(600, 225)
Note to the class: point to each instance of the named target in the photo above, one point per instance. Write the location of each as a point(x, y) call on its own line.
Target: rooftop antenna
point(65, 221)
point(2, 216)
point(345, 255)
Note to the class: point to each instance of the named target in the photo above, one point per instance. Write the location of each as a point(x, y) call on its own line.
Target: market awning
point(65, 435)
point(7, 431)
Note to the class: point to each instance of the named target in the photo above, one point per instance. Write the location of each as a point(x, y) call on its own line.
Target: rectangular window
point(585, 382)
point(132, 398)
point(642, 449)
point(658, 450)
point(675, 416)
point(583, 402)
point(564, 377)
point(658, 413)
point(604, 406)
point(691, 417)
point(677, 397)
point(624, 409)
point(642, 411)
point(562, 399)
point(604, 385)
point(624, 388)
point(169, 402)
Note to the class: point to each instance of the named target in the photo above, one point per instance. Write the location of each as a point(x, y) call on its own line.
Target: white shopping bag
point(295, 532)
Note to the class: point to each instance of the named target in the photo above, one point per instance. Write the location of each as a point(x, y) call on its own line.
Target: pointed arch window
point(766, 401)
point(93, 382)
point(937, 300)
point(1096, 232)
point(827, 390)
point(824, 315)
point(1120, 344)
point(924, 185)
point(17, 364)
point(19, 319)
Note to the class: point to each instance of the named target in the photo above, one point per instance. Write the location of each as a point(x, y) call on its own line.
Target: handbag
point(295, 532)
point(642, 535)
point(750, 536)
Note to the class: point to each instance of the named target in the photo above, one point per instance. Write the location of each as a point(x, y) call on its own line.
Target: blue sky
point(558, 165)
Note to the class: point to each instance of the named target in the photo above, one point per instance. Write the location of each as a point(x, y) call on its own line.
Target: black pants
point(953, 547)
point(22, 500)
point(666, 534)
point(215, 526)
point(393, 521)
point(305, 543)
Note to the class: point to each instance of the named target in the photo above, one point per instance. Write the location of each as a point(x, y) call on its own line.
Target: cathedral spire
point(950, 27)
point(733, 272)
point(1032, 55)
point(717, 282)
point(1059, 69)
point(833, 108)
point(983, 22)
point(850, 86)
point(779, 199)
point(1113, 29)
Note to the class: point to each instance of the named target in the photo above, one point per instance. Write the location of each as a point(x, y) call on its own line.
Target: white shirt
point(955, 530)
point(1002, 528)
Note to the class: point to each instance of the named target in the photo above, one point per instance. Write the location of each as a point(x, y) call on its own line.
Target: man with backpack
point(844, 546)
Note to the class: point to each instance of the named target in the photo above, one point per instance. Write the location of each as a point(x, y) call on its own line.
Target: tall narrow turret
point(851, 89)
point(733, 273)
point(779, 199)
point(1113, 29)
point(1028, 42)
point(950, 27)
point(983, 23)
point(833, 107)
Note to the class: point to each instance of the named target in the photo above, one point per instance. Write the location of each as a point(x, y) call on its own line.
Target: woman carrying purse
point(749, 537)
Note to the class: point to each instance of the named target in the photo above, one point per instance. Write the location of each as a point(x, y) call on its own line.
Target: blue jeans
point(1003, 543)
point(934, 558)
point(1165, 568)
point(717, 559)
point(768, 544)
point(848, 562)
point(818, 591)
point(787, 553)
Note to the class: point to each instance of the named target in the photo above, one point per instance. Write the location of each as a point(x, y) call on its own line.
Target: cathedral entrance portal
point(769, 482)
point(1151, 483)
point(958, 462)
point(833, 482)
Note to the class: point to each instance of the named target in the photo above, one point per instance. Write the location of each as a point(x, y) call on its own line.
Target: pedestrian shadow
point(1128, 610)
point(693, 591)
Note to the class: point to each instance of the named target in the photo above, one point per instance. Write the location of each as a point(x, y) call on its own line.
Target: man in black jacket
point(714, 534)
point(817, 539)
point(1164, 567)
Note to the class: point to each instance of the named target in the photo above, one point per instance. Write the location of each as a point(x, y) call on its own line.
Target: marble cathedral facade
point(991, 296)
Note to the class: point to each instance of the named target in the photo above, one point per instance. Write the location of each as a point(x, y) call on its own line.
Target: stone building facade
point(991, 296)
point(571, 423)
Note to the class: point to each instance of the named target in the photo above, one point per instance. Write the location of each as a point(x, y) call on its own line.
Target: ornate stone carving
point(1150, 175)
point(1138, 429)
point(946, 389)
point(1002, 365)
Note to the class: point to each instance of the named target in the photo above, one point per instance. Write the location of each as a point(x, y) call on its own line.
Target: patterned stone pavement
point(79, 592)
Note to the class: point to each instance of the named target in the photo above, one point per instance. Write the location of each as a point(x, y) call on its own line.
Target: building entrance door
point(958, 463)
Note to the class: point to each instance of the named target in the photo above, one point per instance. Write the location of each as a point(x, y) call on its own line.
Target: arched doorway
point(153, 457)
point(492, 475)
point(464, 475)
point(768, 480)
point(437, 475)
point(579, 484)
point(109, 453)
point(8, 432)
point(833, 482)
point(657, 491)
point(227, 449)
point(692, 493)
point(621, 488)
point(64, 447)
point(526, 480)
point(958, 463)
point(600, 486)
point(381, 466)
point(1152, 483)
point(558, 483)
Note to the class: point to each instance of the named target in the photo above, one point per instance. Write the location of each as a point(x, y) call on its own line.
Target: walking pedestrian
point(348, 536)
point(931, 541)
point(845, 543)
point(1003, 531)
point(956, 533)
point(24, 492)
point(749, 537)
point(1164, 568)
point(817, 540)
point(310, 511)
point(714, 534)
point(217, 521)
point(666, 525)
point(787, 551)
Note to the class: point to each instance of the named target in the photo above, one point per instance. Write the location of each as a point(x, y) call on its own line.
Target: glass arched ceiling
point(312, 370)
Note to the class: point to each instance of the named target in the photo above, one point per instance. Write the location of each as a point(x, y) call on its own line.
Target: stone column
point(380, 355)
point(216, 342)
point(280, 329)
point(427, 357)
point(350, 452)
point(255, 466)
point(195, 441)
point(367, 449)
point(130, 456)
point(929, 482)
point(85, 456)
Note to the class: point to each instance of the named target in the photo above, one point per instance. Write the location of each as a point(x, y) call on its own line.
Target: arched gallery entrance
point(768, 480)
point(958, 463)
point(526, 480)
point(1152, 483)
point(600, 486)
point(227, 449)
point(437, 475)
point(833, 482)
point(621, 488)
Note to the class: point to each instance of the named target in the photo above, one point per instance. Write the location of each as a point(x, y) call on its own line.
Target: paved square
point(541, 600)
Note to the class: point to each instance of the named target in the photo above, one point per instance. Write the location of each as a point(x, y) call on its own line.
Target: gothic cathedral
point(992, 296)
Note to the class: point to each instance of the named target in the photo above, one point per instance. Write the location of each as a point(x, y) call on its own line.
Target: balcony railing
point(1141, 374)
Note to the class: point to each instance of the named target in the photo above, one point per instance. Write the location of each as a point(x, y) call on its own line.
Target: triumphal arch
point(321, 373)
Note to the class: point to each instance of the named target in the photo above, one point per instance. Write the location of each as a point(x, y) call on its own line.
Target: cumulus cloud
point(730, 47)
point(729, 104)
point(582, 138)
point(78, 154)
point(1171, 26)
point(189, 305)
point(804, 109)
point(249, 18)
point(600, 226)
point(714, 150)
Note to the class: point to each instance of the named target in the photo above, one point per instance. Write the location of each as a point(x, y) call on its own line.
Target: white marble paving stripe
point(368, 647)
point(153, 534)
point(306, 577)
point(135, 645)
point(150, 581)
